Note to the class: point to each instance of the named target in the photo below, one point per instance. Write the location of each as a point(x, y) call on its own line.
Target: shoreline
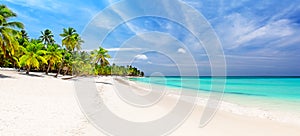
point(229, 104)
point(258, 126)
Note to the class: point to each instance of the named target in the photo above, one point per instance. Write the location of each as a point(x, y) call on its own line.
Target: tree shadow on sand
point(5, 76)
point(104, 83)
point(32, 75)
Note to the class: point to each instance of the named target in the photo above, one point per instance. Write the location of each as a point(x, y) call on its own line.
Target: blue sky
point(258, 37)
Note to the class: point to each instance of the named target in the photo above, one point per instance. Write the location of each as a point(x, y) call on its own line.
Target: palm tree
point(68, 61)
point(23, 38)
point(107, 70)
point(33, 54)
point(101, 56)
point(71, 40)
point(24, 34)
point(82, 64)
point(8, 41)
point(53, 56)
point(47, 37)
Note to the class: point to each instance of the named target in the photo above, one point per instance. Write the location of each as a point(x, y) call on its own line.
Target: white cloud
point(275, 29)
point(239, 30)
point(141, 57)
point(181, 50)
point(124, 16)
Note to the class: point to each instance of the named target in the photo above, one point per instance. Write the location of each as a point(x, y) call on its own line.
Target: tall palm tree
point(8, 32)
point(101, 56)
point(71, 40)
point(47, 37)
point(33, 55)
point(53, 56)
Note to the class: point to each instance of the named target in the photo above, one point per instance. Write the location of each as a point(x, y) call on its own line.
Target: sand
point(40, 105)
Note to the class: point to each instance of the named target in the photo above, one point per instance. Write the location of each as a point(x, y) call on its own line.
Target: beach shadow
point(4, 76)
point(32, 75)
point(68, 78)
point(121, 81)
point(104, 83)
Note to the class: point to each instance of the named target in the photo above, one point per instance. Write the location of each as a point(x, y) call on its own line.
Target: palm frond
point(18, 25)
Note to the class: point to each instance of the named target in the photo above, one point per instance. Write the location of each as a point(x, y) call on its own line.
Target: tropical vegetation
point(44, 54)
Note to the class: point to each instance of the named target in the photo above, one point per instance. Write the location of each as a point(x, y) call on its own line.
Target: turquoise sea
point(263, 93)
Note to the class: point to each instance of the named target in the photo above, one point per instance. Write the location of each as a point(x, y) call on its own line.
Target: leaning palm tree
point(53, 56)
point(47, 37)
point(8, 32)
point(33, 55)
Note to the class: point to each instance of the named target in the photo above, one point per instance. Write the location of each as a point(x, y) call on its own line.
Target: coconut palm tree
point(53, 56)
point(71, 40)
point(68, 61)
point(47, 37)
point(82, 64)
point(23, 38)
point(101, 56)
point(8, 32)
point(24, 34)
point(33, 55)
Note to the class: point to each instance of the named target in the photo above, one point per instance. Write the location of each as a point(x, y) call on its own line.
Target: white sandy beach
point(44, 106)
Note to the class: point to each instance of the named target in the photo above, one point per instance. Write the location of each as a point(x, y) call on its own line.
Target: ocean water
point(275, 98)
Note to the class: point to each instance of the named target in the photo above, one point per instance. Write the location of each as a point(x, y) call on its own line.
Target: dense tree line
point(44, 54)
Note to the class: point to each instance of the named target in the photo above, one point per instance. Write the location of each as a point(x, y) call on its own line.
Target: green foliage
point(125, 71)
point(8, 33)
point(71, 39)
point(82, 64)
point(43, 54)
point(33, 55)
point(23, 38)
point(53, 55)
point(47, 37)
point(101, 56)
point(85, 63)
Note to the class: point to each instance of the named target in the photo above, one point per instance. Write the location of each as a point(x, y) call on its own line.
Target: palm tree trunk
point(48, 69)
point(59, 69)
point(66, 72)
point(28, 69)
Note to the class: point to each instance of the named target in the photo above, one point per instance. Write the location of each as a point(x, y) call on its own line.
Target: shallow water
point(270, 96)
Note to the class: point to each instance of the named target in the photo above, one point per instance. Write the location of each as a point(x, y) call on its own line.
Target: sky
point(258, 38)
